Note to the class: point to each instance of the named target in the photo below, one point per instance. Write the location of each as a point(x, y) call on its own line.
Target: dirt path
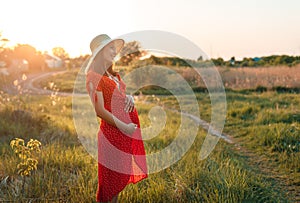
point(28, 85)
point(258, 163)
point(262, 164)
point(25, 84)
point(30, 88)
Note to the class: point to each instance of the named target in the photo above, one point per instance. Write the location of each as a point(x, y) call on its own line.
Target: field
point(269, 77)
point(233, 78)
point(262, 164)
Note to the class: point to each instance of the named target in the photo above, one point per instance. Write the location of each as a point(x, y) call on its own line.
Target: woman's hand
point(130, 128)
point(129, 103)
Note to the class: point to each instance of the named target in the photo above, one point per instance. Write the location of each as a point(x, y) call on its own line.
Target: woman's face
point(104, 58)
point(109, 52)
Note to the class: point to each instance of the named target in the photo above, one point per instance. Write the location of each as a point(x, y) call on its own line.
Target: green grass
point(66, 172)
point(267, 124)
point(268, 121)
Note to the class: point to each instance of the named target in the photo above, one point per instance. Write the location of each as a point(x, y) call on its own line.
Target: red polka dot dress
point(121, 157)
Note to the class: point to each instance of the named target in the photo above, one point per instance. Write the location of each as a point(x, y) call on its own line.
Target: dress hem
point(131, 182)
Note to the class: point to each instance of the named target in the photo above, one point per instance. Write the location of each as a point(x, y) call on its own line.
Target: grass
point(66, 172)
point(265, 115)
point(265, 123)
point(252, 77)
point(280, 79)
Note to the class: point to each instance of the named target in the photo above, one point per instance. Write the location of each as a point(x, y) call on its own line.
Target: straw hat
point(98, 43)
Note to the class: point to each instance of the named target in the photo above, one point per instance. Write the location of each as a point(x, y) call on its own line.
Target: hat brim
point(118, 43)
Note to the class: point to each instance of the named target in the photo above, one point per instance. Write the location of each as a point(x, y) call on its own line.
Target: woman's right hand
point(130, 128)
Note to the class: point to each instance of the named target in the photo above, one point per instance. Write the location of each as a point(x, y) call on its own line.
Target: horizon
point(158, 54)
point(220, 28)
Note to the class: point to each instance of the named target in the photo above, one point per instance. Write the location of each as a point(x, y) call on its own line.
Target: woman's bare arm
point(109, 117)
point(103, 113)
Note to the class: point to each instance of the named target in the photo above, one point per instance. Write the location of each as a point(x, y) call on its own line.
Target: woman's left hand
point(129, 103)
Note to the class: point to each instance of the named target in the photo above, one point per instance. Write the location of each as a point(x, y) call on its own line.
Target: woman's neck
point(103, 68)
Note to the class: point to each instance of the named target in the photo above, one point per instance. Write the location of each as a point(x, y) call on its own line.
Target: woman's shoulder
point(93, 75)
point(96, 78)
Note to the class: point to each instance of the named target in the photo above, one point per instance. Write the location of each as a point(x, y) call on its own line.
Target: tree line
point(265, 61)
point(132, 54)
point(273, 60)
point(35, 58)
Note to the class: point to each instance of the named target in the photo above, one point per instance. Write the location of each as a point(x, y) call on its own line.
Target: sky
point(221, 28)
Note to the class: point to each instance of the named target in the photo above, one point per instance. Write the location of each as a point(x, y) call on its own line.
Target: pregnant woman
point(121, 153)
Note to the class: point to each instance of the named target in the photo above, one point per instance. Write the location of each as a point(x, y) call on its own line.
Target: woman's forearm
point(110, 118)
point(103, 113)
point(107, 116)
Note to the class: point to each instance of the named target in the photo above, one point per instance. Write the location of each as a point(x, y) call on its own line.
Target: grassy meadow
point(262, 165)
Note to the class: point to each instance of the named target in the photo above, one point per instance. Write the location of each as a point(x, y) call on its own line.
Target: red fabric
point(121, 157)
